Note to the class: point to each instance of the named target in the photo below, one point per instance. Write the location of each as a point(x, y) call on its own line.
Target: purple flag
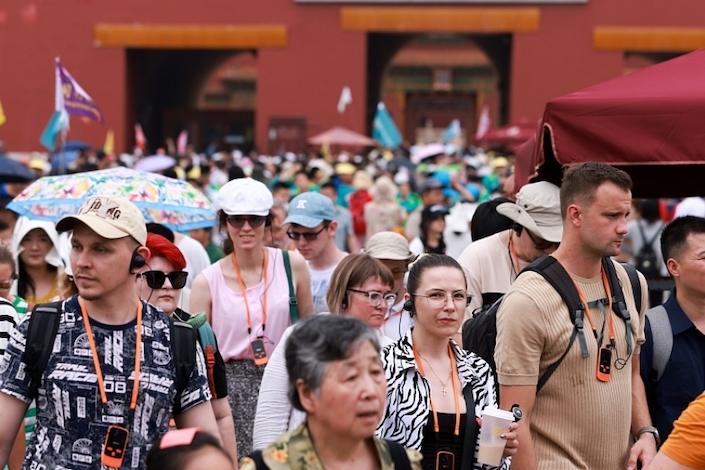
point(75, 99)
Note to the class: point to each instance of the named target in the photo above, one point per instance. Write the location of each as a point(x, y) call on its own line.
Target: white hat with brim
point(537, 209)
point(245, 196)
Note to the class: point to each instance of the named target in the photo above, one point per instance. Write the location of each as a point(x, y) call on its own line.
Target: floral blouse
point(294, 451)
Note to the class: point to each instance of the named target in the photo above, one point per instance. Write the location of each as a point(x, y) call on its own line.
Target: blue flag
point(58, 122)
point(451, 132)
point(384, 130)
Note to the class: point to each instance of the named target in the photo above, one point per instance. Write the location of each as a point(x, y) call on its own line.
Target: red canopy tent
point(650, 123)
point(511, 135)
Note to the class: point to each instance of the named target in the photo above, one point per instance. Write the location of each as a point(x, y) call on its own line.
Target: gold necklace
point(450, 374)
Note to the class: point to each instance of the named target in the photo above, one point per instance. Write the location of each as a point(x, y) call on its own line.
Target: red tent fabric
point(650, 123)
point(342, 136)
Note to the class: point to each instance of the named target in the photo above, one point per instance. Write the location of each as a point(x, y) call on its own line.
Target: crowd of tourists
point(330, 320)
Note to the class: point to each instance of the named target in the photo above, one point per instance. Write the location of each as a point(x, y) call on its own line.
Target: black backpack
point(646, 259)
point(44, 324)
point(480, 332)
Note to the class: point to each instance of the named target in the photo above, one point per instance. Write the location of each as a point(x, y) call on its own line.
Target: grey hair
point(319, 340)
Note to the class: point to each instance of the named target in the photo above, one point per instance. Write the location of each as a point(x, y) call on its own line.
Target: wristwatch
point(516, 411)
point(649, 429)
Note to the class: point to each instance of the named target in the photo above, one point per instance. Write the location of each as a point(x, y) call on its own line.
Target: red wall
point(305, 79)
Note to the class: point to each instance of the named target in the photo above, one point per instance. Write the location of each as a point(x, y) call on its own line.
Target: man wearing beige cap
point(109, 387)
point(392, 249)
point(494, 262)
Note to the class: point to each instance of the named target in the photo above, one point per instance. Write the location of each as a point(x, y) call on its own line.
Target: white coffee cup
point(494, 423)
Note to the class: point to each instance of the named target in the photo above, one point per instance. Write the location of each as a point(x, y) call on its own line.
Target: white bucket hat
point(537, 209)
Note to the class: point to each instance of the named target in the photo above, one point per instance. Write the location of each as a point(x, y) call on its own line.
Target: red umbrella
point(650, 123)
point(511, 135)
point(342, 136)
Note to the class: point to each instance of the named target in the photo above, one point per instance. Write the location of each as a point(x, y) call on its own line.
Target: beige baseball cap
point(109, 217)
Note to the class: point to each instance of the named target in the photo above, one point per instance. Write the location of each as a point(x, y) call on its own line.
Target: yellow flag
point(2, 116)
point(109, 146)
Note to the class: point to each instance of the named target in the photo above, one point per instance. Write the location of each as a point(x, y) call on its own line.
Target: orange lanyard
point(96, 359)
point(608, 313)
point(244, 293)
point(456, 386)
point(513, 255)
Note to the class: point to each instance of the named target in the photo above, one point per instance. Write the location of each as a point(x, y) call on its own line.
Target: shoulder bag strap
point(293, 302)
point(399, 456)
point(662, 336)
point(471, 430)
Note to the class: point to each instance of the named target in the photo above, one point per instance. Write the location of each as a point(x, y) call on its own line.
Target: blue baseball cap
point(310, 209)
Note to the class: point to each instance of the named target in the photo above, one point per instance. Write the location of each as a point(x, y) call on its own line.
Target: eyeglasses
point(7, 283)
point(310, 236)
point(541, 244)
point(375, 298)
point(438, 299)
point(155, 279)
point(238, 221)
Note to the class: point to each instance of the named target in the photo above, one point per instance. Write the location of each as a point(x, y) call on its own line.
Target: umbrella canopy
point(511, 135)
point(342, 136)
point(155, 163)
point(649, 123)
point(171, 202)
point(12, 171)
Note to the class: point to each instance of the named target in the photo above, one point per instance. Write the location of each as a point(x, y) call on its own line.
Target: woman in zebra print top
point(428, 375)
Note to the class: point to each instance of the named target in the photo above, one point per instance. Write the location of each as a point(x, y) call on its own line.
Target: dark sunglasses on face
point(311, 236)
point(7, 283)
point(238, 221)
point(541, 244)
point(155, 279)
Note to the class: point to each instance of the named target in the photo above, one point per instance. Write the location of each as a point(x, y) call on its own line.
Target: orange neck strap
point(243, 288)
point(608, 312)
point(513, 255)
point(456, 387)
point(96, 359)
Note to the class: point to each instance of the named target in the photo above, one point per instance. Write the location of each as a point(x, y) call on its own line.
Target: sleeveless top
point(229, 315)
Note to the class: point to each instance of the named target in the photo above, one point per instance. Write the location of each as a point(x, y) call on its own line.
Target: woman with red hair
point(161, 283)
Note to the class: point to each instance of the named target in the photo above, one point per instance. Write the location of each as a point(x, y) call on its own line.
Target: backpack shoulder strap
point(41, 334)
point(662, 337)
point(561, 281)
point(209, 345)
point(471, 430)
point(635, 282)
point(256, 457)
point(183, 349)
point(619, 305)
point(399, 455)
point(293, 302)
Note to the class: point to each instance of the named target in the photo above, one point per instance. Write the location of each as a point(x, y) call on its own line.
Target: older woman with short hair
point(336, 378)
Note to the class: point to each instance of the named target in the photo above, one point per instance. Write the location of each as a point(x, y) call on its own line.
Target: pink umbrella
point(343, 137)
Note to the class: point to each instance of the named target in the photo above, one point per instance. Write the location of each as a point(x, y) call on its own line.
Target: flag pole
point(62, 154)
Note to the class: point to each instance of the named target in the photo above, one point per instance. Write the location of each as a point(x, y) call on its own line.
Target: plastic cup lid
point(502, 414)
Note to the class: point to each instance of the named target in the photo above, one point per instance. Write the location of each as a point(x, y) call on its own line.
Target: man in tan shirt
point(580, 419)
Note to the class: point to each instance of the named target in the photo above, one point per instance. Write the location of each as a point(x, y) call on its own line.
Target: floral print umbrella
point(167, 201)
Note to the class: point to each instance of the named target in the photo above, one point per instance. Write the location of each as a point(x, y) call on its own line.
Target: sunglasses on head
point(7, 283)
point(155, 279)
point(238, 221)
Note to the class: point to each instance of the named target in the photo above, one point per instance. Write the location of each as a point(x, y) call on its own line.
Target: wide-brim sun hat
point(388, 245)
point(538, 209)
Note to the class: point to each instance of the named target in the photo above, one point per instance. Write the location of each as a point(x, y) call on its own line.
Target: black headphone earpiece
point(517, 228)
point(344, 302)
point(409, 305)
point(137, 261)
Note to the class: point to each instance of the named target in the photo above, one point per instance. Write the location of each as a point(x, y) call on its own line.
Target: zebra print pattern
point(408, 404)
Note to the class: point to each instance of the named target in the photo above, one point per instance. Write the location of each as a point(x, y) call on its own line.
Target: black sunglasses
point(310, 236)
point(541, 244)
point(155, 279)
point(238, 221)
point(7, 283)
